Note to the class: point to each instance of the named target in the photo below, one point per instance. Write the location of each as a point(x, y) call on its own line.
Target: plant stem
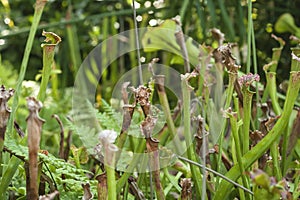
point(249, 33)
point(172, 179)
point(219, 86)
point(201, 76)
point(160, 82)
point(181, 42)
point(247, 102)
point(204, 180)
point(122, 181)
point(127, 117)
point(271, 80)
point(115, 69)
point(153, 152)
point(232, 78)
point(137, 45)
point(102, 186)
point(5, 95)
point(34, 130)
point(295, 67)
point(111, 181)
point(234, 130)
point(274, 153)
point(284, 151)
point(234, 157)
point(272, 66)
point(258, 109)
point(14, 162)
point(276, 53)
point(295, 62)
point(55, 83)
point(104, 47)
point(39, 6)
point(186, 94)
point(251, 156)
point(1, 155)
point(216, 173)
point(132, 55)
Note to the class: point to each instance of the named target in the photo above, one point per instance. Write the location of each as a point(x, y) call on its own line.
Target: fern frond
point(87, 135)
point(109, 119)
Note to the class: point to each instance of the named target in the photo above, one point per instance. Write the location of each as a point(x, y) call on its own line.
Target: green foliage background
point(94, 21)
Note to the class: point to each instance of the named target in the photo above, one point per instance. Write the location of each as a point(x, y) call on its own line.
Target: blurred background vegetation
point(83, 24)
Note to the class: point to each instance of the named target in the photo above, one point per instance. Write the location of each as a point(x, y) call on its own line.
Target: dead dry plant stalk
point(218, 35)
point(87, 195)
point(34, 129)
point(186, 192)
point(160, 85)
point(147, 127)
point(128, 110)
point(102, 186)
point(5, 95)
point(135, 190)
point(142, 95)
point(62, 136)
point(181, 42)
point(200, 134)
point(295, 134)
point(159, 81)
point(127, 117)
point(223, 55)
